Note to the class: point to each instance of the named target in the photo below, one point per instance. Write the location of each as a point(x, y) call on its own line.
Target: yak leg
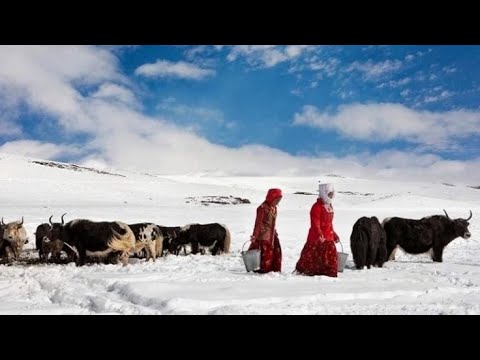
point(151, 250)
point(437, 253)
point(195, 248)
point(82, 254)
point(391, 256)
point(9, 253)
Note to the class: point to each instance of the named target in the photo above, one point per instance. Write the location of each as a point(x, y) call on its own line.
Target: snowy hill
point(204, 284)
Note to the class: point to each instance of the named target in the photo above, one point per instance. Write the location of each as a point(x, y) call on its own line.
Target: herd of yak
point(372, 243)
point(112, 242)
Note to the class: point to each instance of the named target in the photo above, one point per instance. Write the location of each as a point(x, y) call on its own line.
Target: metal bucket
point(251, 258)
point(342, 259)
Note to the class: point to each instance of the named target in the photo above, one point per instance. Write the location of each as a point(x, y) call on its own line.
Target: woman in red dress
point(319, 255)
point(265, 236)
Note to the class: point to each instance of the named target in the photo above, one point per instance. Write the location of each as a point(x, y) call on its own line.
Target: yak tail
point(382, 251)
point(359, 246)
point(159, 243)
point(125, 242)
point(227, 241)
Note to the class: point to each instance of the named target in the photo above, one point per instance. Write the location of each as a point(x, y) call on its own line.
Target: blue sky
point(246, 110)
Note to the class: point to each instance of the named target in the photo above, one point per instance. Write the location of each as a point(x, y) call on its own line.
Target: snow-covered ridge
point(72, 167)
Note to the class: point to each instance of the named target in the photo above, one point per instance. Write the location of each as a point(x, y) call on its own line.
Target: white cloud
point(387, 122)
point(368, 47)
point(169, 69)
point(267, 56)
point(192, 114)
point(443, 95)
point(116, 92)
point(196, 50)
point(329, 66)
point(8, 127)
point(417, 166)
point(37, 149)
point(395, 83)
point(296, 92)
point(8, 112)
point(204, 56)
point(373, 70)
point(344, 94)
point(405, 92)
point(45, 78)
point(293, 51)
point(400, 82)
point(418, 54)
point(449, 69)
point(120, 48)
point(85, 65)
point(399, 159)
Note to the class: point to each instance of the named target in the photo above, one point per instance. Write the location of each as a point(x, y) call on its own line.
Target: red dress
point(319, 258)
point(265, 236)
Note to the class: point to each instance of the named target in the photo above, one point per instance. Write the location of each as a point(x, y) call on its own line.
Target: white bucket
point(342, 259)
point(251, 259)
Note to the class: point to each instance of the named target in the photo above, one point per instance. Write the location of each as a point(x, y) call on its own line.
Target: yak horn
point(448, 217)
point(469, 216)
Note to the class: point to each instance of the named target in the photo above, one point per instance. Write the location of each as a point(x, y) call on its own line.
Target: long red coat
point(265, 237)
point(319, 258)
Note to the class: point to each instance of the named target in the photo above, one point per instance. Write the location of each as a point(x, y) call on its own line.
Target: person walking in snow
point(319, 255)
point(265, 235)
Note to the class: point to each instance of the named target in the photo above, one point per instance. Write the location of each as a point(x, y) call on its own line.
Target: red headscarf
point(273, 194)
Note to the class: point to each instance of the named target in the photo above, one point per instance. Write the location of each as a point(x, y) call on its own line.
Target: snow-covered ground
point(204, 284)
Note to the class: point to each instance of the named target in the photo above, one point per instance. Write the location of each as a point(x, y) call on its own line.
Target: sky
point(409, 112)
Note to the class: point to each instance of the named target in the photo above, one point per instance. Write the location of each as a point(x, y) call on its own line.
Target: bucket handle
point(244, 244)
point(339, 242)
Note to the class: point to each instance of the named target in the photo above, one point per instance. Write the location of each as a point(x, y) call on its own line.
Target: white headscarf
point(323, 190)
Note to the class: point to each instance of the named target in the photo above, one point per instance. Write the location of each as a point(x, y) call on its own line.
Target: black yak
point(215, 237)
point(368, 243)
point(98, 239)
point(430, 233)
